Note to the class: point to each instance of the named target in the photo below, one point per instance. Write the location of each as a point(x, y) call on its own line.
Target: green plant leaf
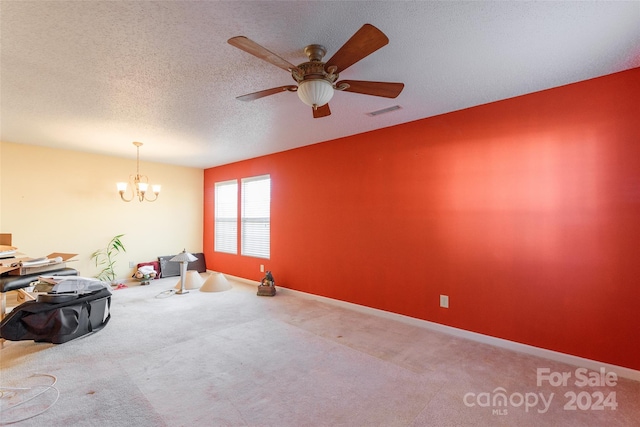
point(106, 257)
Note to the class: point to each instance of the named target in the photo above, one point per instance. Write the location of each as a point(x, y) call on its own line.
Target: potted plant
point(106, 257)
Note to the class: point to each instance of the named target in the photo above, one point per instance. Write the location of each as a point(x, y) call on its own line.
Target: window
point(226, 217)
point(256, 216)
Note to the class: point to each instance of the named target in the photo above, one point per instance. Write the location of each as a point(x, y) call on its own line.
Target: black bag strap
point(106, 320)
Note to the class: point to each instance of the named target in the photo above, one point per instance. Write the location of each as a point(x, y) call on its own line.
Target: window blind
point(226, 217)
point(256, 216)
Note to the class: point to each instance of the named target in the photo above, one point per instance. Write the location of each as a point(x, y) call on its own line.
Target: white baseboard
point(569, 359)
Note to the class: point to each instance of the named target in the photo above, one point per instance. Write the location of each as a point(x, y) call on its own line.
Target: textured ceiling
point(96, 75)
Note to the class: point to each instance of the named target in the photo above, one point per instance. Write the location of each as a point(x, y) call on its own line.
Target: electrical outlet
point(132, 264)
point(261, 268)
point(444, 301)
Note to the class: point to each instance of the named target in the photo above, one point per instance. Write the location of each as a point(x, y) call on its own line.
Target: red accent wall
point(525, 212)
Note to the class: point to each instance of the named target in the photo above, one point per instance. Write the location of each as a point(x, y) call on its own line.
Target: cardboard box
point(14, 266)
point(10, 263)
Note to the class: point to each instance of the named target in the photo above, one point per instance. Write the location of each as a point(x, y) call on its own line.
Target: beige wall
point(1, 187)
point(66, 201)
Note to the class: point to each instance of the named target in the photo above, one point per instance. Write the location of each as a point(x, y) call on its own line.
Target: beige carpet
point(235, 359)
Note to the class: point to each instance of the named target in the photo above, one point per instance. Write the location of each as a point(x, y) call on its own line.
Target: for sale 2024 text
point(582, 377)
point(593, 400)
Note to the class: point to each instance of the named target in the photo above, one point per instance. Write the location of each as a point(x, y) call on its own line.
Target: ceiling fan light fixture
point(317, 80)
point(315, 92)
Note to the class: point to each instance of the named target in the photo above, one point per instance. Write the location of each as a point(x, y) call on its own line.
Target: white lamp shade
point(143, 186)
point(184, 256)
point(122, 186)
point(216, 282)
point(192, 280)
point(315, 93)
point(156, 188)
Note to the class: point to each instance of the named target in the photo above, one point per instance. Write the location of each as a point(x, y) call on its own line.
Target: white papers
point(78, 285)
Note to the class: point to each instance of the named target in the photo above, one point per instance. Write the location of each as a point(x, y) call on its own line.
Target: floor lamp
point(183, 258)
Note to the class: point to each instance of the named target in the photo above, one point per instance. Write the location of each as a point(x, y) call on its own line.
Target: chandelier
point(139, 183)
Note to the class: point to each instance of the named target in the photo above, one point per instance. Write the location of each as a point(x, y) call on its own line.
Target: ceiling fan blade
point(363, 43)
point(323, 111)
point(385, 89)
point(249, 46)
point(266, 92)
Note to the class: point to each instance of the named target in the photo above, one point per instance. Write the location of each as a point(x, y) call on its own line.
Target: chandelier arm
point(128, 189)
point(122, 197)
point(146, 197)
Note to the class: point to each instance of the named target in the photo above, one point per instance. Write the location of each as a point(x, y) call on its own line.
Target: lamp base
point(181, 291)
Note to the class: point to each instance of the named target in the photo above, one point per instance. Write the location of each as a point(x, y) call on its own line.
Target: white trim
point(569, 359)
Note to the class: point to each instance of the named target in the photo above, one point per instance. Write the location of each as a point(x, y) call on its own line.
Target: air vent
point(384, 110)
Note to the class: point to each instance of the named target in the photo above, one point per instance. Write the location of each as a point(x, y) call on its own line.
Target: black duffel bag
point(58, 318)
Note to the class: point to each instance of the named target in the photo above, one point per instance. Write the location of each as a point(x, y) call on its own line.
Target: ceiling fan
point(316, 80)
